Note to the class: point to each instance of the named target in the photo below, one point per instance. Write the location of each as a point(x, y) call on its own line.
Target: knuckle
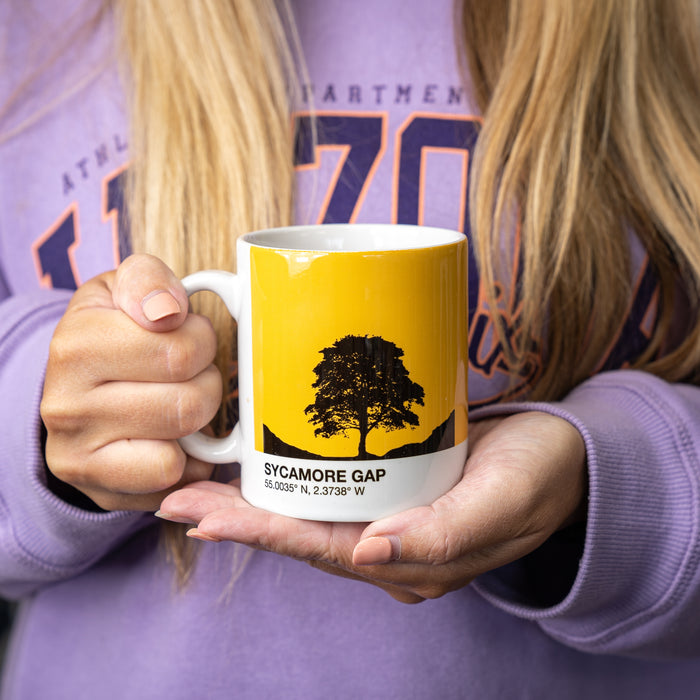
point(213, 388)
point(188, 406)
point(431, 592)
point(408, 597)
point(411, 600)
point(69, 470)
point(147, 467)
point(112, 501)
point(60, 416)
point(441, 550)
point(170, 465)
point(178, 358)
point(195, 403)
point(188, 351)
point(196, 470)
point(63, 348)
point(106, 501)
point(162, 465)
point(202, 329)
point(60, 469)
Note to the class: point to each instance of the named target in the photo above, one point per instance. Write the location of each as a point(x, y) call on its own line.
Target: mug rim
point(353, 238)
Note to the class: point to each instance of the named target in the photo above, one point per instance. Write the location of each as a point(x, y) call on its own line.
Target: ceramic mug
point(352, 368)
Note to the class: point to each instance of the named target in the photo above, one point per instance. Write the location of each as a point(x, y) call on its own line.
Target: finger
point(150, 293)
point(195, 470)
point(149, 410)
point(124, 466)
point(193, 503)
point(305, 540)
point(118, 349)
point(223, 513)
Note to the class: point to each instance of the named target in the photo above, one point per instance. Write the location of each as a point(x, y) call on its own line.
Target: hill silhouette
point(441, 438)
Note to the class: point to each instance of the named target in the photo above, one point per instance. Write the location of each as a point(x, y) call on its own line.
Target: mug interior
point(353, 237)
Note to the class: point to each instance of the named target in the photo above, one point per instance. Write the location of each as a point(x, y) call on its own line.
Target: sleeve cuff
point(640, 550)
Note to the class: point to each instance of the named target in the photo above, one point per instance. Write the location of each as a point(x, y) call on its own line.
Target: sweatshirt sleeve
point(42, 538)
point(635, 588)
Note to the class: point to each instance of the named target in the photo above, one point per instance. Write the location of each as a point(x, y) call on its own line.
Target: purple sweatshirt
point(610, 610)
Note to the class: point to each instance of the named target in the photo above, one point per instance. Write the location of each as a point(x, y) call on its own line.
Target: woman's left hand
point(524, 479)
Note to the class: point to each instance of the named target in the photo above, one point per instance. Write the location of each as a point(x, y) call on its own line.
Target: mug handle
point(227, 286)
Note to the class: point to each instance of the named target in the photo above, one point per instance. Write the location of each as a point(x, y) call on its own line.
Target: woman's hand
point(129, 372)
point(525, 478)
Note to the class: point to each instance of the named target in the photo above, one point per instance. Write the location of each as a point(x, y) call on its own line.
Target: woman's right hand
point(129, 372)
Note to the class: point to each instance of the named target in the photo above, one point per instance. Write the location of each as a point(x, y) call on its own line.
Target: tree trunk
point(362, 449)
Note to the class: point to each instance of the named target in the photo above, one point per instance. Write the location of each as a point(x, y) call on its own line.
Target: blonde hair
point(590, 130)
point(210, 85)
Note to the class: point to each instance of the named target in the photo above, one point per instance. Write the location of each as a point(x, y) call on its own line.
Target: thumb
point(148, 291)
point(476, 516)
point(415, 536)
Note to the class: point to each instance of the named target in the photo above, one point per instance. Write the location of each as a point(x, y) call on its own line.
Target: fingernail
point(173, 518)
point(159, 304)
point(197, 535)
point(377, 550)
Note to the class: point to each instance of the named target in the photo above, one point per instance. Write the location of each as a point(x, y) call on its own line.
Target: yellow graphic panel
point(359, 355)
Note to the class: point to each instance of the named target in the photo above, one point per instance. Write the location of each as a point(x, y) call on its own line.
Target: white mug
point(352, 362)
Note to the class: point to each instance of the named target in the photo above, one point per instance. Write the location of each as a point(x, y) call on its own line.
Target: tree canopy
point(362, 384)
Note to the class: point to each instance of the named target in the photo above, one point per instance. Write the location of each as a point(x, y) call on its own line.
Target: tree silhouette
point(362, 384)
